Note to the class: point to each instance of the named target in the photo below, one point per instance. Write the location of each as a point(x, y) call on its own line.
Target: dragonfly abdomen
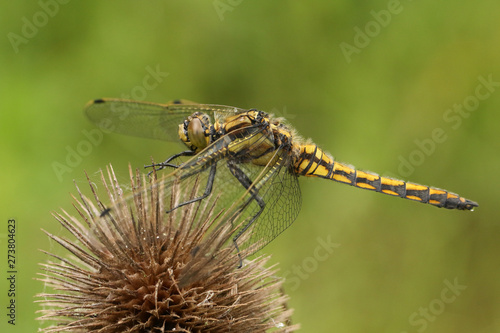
point(314, 162)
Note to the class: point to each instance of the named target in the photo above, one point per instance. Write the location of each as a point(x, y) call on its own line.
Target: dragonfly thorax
point(196, 131)
point(242, 122)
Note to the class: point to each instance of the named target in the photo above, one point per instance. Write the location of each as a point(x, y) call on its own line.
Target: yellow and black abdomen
point(314, 162)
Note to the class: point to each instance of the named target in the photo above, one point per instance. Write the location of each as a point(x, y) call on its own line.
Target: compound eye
point(197, 135)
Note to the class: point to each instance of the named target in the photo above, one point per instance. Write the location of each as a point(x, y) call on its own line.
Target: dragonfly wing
point(143, 119)
point(283, 200)
point(149, 120)
point(277, 186)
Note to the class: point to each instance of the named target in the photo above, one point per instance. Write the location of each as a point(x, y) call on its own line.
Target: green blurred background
point(393, 261)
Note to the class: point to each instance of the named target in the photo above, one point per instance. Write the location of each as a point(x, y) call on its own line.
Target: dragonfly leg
point(247, 183)
point(166, 163)
point(208, 189)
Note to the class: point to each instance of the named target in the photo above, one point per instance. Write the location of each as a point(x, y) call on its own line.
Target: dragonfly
point(252, 159)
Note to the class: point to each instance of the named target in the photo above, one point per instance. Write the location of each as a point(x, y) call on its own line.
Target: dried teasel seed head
point(138, 269)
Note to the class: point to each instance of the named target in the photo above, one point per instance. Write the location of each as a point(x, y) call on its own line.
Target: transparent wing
point(149, 120)
point(283, 202)
point(278, 188)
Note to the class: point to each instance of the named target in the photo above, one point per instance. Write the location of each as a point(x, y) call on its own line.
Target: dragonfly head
point(196, 131)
